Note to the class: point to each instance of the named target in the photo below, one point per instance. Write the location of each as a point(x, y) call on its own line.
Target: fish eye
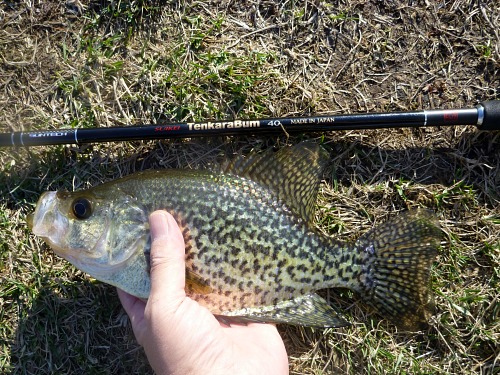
point(82, 208)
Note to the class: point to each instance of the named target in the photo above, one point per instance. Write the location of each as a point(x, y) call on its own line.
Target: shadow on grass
point(75, 327)
point(472, 159)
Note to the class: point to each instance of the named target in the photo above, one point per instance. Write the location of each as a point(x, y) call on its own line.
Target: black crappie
point(251, 254)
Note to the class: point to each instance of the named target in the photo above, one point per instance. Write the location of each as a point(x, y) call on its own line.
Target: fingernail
point(158, 222)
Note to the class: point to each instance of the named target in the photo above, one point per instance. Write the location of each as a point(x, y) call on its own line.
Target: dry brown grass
point(95, 63)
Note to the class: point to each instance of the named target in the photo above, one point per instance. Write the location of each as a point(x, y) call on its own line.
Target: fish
point(252, 251)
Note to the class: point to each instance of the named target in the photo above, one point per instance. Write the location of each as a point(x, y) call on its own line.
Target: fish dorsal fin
point(309, 310)
point(292, 173)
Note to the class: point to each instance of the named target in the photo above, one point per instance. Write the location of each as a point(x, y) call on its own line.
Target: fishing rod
point(486, 116)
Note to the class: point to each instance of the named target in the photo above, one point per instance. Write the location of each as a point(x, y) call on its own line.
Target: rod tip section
point(491, 115)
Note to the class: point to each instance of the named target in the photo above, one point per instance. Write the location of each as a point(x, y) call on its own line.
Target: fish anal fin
point(310, 310)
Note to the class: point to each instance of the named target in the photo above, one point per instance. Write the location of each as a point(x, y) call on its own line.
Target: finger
point(168, 266)
point(134, 307)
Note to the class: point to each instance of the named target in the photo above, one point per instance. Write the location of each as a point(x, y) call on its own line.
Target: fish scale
point(261, 215)
point(251, 251)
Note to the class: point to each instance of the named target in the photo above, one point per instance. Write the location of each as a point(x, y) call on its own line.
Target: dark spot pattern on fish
point(249, 244)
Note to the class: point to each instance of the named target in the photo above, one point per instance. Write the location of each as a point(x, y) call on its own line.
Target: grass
point(85, 64)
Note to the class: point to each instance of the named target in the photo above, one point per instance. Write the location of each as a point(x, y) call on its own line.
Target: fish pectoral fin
point(310, 310)
point(196, 284)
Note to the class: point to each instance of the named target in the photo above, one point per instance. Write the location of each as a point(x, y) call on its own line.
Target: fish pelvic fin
point(397, 259)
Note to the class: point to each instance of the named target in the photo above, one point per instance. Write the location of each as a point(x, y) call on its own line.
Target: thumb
point(168, 268)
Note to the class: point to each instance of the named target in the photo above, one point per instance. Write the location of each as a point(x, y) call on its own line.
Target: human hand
point(181, 337)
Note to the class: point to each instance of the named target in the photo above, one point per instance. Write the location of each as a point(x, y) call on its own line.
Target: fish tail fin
point(397, 257)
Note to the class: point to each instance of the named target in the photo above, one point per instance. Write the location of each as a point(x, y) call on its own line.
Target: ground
point(79, 64)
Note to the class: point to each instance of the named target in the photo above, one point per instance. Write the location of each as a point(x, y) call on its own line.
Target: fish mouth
point(46, 221)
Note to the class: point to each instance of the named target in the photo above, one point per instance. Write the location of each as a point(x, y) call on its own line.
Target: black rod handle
point(489, 115)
